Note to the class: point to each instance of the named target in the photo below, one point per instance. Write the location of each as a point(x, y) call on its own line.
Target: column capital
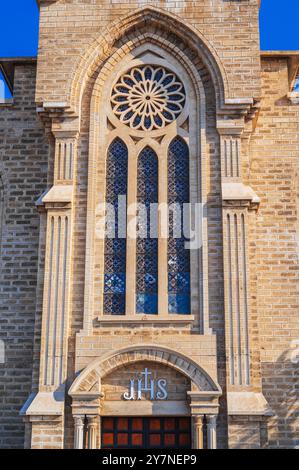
point(79, 420)
point(211, 419)
point(92, 426)
point(198, 420)
point(92, 420)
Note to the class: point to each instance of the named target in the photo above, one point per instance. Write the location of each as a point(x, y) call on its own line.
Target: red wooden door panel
point(146, 433)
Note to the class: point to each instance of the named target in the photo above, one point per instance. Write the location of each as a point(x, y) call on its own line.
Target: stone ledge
point(247, 404)
point(294, 97)
point(232, 191)
point(145, 319)
point(58, 194)
point(44, 403)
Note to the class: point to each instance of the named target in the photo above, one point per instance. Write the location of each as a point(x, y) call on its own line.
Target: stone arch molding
point(102, 48)
point(88, 382)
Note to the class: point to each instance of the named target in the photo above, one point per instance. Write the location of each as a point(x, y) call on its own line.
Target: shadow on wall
point(281, 390)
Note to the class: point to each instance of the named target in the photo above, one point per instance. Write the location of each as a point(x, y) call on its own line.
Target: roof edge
point(18, 60)
point(279, 53)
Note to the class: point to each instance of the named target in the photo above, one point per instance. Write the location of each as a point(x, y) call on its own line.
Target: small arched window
point(295, 87)
point(115, 242)
point(178, 254)
point(147, 243)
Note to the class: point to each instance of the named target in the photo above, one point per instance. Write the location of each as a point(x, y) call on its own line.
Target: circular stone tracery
point(148, 98)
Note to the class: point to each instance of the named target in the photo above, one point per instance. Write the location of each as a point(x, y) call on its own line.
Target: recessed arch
point(173, 59)
point(89, 380)
point(102, 48)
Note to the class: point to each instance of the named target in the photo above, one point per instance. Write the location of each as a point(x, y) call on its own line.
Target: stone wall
point(69, 28)
point(23, 168)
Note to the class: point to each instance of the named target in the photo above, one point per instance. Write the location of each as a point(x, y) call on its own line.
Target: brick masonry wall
point(273, 171)
point(23, 167)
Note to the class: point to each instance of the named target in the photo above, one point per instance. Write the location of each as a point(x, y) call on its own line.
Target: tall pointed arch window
point(147, 242)
point(115, 242)
point(178, 253)
point(154, 163)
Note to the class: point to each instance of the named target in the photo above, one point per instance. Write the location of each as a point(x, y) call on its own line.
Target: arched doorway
point(144, 397)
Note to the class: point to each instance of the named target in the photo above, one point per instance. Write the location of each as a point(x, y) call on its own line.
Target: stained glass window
point(115, 246)
point(178, 255)
point(147, 246)
point(148, 98)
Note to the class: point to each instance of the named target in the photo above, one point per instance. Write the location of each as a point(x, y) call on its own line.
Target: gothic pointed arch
point(151, 58)
point(137, 24)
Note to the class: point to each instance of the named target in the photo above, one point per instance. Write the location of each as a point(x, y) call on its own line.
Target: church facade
point(149, 231)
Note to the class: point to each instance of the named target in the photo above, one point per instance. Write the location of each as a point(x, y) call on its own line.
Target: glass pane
point(147, 242)
point(115, 244)
point(179, 303)
point(178, 255)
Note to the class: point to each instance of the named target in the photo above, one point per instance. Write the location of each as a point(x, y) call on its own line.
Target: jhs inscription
point(157, 389)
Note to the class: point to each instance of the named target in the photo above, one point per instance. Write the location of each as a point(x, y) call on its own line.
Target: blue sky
point(19, 26)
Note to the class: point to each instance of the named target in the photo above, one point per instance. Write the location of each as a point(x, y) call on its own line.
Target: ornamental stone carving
point(148, 98)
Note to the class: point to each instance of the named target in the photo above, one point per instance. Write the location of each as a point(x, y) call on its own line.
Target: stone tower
point(136, 341)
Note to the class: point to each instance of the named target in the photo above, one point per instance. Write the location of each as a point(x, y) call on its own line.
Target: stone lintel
point(146, 408)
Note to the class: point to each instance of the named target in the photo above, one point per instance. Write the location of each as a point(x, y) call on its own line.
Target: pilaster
point(237, 201)
point(57, 205)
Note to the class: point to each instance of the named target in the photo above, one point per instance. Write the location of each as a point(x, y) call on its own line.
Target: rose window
point(148, 98)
